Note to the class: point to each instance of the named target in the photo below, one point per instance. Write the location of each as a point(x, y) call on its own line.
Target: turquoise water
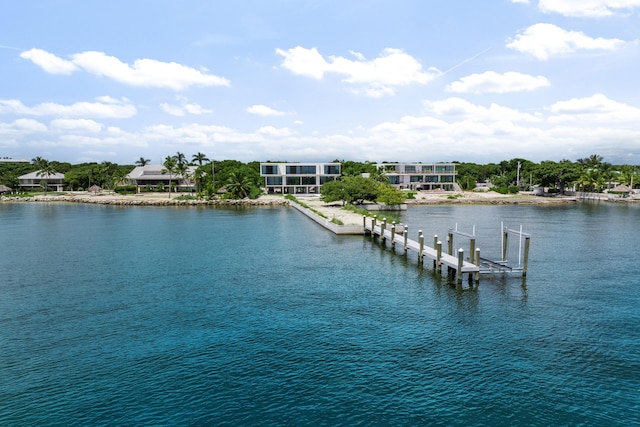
point(257, 316)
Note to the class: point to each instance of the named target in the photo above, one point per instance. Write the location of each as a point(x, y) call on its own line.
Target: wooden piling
point(527, 240)
point(477, 274)
point(450, 243)
point(383, 227)
point(439, 256)
point(421, 242)
point(459, 268)
point(435, 246)
point(406, 238)
point(472, 250)
point(505, 236)
point(393, 234)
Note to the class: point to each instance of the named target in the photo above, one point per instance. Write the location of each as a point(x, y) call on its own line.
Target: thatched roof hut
point(622, 189)
point(95, 189)
point(5, 189)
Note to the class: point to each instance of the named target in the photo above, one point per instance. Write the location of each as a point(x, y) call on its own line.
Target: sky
point(320, 80)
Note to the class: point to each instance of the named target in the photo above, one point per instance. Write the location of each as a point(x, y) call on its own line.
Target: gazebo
point(5, 189)
point(95, 189)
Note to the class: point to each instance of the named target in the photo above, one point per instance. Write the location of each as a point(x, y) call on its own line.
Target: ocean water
point(129, 316)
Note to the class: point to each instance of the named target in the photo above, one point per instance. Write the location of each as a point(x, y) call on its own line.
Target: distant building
point(152, 176)
point(420, 176)
point(298, 178)
point(36, 180)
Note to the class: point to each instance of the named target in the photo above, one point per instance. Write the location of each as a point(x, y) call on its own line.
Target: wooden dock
point(455, 262)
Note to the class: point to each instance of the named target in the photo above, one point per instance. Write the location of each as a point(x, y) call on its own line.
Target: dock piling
point(406, 237)
point(460, 263)
point(421, 243)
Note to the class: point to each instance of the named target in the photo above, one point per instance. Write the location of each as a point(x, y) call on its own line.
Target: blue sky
point(294, 80)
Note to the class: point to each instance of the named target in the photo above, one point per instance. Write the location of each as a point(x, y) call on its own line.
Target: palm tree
point(238, 185)
point(45, 168)
point(198, 174)
point(180, 158)
point(200, 158)
point(170, 164)
point(142, 161)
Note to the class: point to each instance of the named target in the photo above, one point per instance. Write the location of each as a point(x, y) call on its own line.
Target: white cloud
point(49, 62)
point(520, 1)
point(143, 72)
point(492, 82)
point(596, 108)
point(273, 131)
point(105, 107)
point(545, 40)
point(184, 109)
point(587, 8)
point(263, 110)
point(76, 125)
point(22, 126)
point(378, 77)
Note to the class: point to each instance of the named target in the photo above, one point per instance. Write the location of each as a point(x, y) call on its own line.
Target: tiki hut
point(95, 189)
point(5, 189)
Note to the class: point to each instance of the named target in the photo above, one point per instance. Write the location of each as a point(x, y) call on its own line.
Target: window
point(409, 169)
point(431, 178)
point(308, 180)
point(447, 178)
point(394, 180)
point(445, 168)
point(269, 169)
point(293, 180)
point(415, 178)
point(274, 180)
point(301, 170)
point(427, 168)
point(332, 169)
point(325, 179)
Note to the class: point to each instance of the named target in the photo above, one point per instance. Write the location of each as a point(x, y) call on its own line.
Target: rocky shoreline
point(146, 201)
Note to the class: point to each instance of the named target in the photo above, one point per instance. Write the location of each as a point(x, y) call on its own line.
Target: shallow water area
point(225, 316)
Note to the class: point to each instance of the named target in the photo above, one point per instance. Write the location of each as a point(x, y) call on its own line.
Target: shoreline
point(329, 210)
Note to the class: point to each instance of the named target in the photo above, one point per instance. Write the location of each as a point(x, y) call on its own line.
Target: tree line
point(239, 180)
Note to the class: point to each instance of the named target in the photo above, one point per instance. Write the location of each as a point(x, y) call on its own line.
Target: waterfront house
point(298, 178)
point(152, 176)
point(420, 176)
point(38, 180)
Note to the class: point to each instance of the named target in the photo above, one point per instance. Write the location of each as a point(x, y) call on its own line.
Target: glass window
point(269, 170)
point(308, 180)
point(274, 180)
point(332, 169)
point(415, 178)
point(301, 170)
point(409, 169)
point(394, 180)
point(293, 180)
point(325, 179)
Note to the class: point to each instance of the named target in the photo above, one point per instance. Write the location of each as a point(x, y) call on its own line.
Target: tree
point(350, 189)
point(390, 196)
point(199, 158)
point(238, 185)
point(142, 161)
point(45, 168)
point(180, 158)
point(170, 164)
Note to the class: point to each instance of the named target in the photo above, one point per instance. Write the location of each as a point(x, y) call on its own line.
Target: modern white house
point(38, 180)
point(298, 178)
point(420, 176)
point(153, 176)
